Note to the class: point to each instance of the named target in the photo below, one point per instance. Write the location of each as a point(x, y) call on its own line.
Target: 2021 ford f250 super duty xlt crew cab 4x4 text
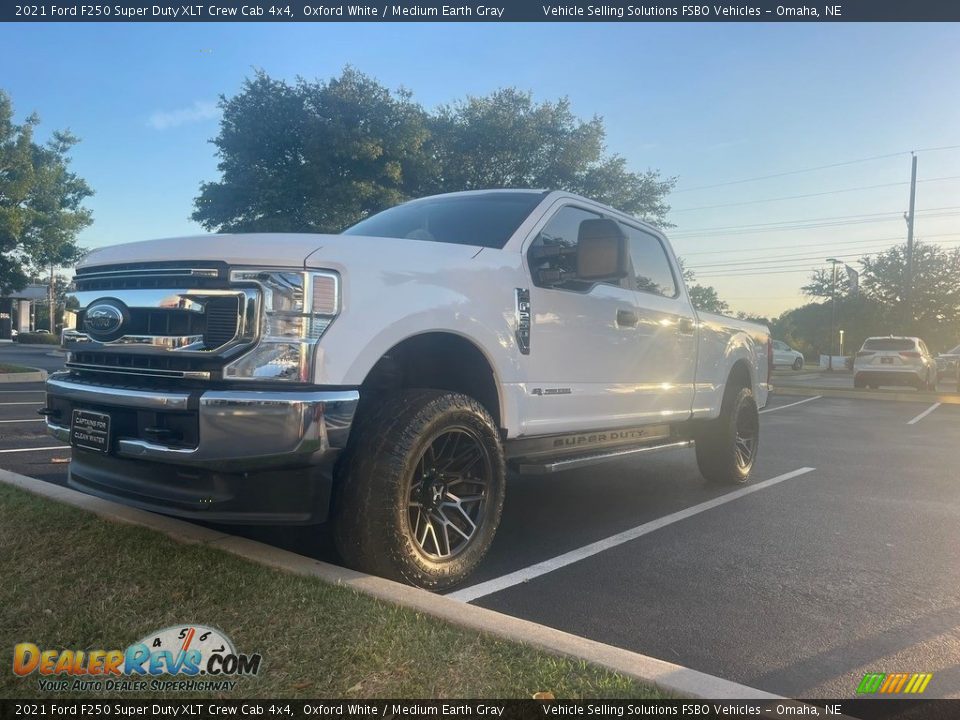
point(385, 378)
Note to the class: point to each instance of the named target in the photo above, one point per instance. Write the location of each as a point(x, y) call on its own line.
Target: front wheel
point(422, 490)
point(727, 447)
point(798, 364)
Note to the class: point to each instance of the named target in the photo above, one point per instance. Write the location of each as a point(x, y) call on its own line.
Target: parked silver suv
point(895, 361)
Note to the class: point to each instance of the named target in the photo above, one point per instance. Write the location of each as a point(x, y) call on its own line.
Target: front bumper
point(222, 455)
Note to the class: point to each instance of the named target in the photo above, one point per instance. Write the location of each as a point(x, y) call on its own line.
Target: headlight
point(297, 309)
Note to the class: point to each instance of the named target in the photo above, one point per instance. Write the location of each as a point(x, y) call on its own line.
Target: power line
point(802, 267)
point(810, 195)
point(791, 172)
point(803, 255)
point(811, 222)
point(805, 245)
point(812, 169)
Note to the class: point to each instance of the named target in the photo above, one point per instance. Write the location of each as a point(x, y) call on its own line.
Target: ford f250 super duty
point(386, 378)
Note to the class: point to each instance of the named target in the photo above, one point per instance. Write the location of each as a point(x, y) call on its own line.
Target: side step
point(578, 461)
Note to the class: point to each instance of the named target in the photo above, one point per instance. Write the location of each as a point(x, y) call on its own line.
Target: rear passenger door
point(666, 329)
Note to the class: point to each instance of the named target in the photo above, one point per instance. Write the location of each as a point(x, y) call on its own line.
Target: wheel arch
point(439, 359)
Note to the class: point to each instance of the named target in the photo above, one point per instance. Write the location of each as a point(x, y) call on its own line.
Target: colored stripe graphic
point(894, 683)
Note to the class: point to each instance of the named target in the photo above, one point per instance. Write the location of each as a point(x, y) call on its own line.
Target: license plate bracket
point(886, 360)
point(90, 430)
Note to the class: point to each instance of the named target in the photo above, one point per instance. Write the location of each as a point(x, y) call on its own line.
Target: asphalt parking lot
point(837, 560)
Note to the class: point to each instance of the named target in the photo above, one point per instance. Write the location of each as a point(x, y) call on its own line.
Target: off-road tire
point(716, 440)
point(372, 527)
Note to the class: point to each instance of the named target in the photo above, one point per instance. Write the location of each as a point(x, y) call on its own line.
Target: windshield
point(954, 351)
point(482, 219)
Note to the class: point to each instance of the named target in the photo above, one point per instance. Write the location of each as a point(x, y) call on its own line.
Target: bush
point(38, 338)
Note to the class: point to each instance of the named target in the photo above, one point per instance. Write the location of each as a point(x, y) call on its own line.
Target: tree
point(703, 297)
point(821, 283)
point(507, 140)
point(41, 201)
point(312, 156)
point(319, 156)
point(935, 300)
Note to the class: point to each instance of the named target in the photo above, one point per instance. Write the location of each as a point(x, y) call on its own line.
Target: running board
point(569, 463)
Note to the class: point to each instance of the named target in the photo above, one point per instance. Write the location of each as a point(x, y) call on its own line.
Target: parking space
point(837, 559)
point(25, 446)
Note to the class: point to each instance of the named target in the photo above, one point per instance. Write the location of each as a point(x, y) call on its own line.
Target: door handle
point(685, 326)
point(626, 318)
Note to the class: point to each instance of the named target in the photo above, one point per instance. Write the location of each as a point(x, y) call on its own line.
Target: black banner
point(475, 709)
point(492, 11)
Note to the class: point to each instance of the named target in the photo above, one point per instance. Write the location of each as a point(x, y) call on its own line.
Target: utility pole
point(908, 284)
point(833, 311)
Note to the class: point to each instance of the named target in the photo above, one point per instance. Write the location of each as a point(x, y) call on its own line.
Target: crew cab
point(385, 378)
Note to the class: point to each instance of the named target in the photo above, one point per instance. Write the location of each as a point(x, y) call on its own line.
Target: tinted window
point(780, 345)
point(651, 269)
point(560, 233)
point(888, 344)
point(484, 219)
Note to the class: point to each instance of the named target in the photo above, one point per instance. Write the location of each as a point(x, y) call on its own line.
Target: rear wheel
point(727, 447)
point(858, 382)
point(422, 489)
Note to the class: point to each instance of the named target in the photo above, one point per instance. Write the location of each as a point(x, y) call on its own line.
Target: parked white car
point(786, 356)
point(385, 378)
point(895, 361)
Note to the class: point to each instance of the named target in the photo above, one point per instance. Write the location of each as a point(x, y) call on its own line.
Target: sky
point(711, 104)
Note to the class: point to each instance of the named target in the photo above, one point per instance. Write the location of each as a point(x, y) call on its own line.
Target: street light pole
point(833, 311)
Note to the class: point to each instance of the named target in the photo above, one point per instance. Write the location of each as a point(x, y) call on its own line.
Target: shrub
point(38, 338)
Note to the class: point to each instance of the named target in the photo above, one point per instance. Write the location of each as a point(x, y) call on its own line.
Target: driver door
point(583, 339)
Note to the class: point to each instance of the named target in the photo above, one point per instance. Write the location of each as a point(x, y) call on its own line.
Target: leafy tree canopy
point(41, 201)
point(321, 155)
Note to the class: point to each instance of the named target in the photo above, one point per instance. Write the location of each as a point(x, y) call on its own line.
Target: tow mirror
point(601, 250)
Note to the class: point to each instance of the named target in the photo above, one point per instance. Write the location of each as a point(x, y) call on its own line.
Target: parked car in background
point(894, 361)
point(948, 362)
point(784, 355)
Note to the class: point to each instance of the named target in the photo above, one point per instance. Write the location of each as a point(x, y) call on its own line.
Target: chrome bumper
point(237, 429)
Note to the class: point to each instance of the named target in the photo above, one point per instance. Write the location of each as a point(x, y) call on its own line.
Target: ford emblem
point(102, 319)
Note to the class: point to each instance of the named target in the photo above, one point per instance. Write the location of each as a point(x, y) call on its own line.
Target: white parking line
point(19, 392)
point(922, 415)
point(51, 447)
point(798, 402)
point(474, 592)
point(38, 402)
point(24, 420)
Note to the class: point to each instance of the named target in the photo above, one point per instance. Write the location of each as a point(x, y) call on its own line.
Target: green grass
point(7, 368)
point(69, 579)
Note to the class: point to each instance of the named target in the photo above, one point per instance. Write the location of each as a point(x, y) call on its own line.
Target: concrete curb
point(23, 377)
point(668, 677)
point(915, 397)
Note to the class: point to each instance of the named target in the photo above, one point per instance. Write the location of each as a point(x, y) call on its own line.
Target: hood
point(282, 250)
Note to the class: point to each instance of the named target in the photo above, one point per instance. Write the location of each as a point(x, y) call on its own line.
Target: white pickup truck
point(386, 378)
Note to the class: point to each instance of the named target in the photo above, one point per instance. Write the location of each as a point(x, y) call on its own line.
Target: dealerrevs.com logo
point(178, 658)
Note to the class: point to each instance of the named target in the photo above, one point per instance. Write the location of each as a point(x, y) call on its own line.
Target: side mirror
point(601, 250)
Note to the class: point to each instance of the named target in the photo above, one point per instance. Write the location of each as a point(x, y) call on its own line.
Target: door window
point(555, 248)
point(650, 270)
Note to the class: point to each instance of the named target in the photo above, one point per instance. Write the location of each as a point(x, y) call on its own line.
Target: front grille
point(222, 316)
point(188, 332)
point(161, 365)
point(217, 324)
point(150, 276)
